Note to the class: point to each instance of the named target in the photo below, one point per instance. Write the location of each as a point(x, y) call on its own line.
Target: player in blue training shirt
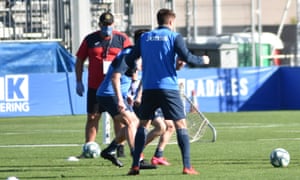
point(160, 86)
point(112, 97)
point(163, 128)
point(108, 101)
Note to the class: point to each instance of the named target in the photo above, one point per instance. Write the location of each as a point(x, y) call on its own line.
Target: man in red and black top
point(100, 48)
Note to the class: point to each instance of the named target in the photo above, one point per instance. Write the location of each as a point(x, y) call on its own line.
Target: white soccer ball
point(91, 150)
point(12, 178)
point(280, 157)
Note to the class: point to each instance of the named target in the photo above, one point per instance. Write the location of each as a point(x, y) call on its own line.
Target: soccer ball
point(279, 157)
point(12, 178)
point(91, 150)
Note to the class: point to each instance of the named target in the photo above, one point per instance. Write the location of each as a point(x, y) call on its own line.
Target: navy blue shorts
point(110, 105)
point(168, 100)
point(92, 105)
point(157, 114)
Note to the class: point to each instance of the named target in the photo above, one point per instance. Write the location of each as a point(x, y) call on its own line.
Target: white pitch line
point(280, 139)
point(38, 145)
point(37, 132)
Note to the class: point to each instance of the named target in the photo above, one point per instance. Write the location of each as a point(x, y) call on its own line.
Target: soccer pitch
point(37, 148)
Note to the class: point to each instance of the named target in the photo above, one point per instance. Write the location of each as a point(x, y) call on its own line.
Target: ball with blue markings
point(91, 150)
point(280, 157)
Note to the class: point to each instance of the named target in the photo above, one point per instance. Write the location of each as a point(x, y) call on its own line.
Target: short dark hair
point(106, 19)
point(138, 33)
point(163, 16)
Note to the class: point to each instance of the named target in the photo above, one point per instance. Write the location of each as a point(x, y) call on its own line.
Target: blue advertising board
point(217, 90)
point(229, 90)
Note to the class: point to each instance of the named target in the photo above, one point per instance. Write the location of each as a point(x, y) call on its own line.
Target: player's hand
point(137, 103)
point(79, 88)
point(206, 59)
point(121, 106)
point(130, 100)
point(179, 64)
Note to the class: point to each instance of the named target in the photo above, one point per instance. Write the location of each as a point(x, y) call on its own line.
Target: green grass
point(241, 151)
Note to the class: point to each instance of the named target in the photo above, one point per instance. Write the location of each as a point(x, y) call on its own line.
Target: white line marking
point(246, 126)
point(280, 139)
point(37, 132)
point(38, 145)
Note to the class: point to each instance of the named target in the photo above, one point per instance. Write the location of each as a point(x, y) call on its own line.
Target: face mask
point(106, 30)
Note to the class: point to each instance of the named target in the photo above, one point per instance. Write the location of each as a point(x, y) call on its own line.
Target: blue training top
point(158, 49)
point(118, 65)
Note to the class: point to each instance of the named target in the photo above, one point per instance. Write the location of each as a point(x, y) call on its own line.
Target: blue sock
point(184, 145)
point(132, 151)
point(158, 153)
point(140, 140)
